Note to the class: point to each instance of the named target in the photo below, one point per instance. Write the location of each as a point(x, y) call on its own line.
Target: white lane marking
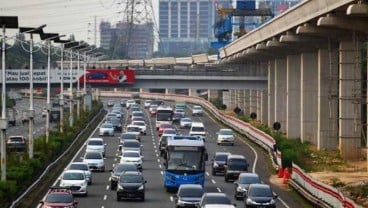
point(155, 150)
point(113, 165)
point(162, 172)
point(105, 197)
point(156, 155)
point(154, 146)
point(207, 173)
point(114, 159)
point(218, 189)
point(213, 181)
point(283, 202)
point(160, 166)
point(171, 198)
point(158, 160)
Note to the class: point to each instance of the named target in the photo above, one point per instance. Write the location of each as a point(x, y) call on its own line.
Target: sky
point(65, 17)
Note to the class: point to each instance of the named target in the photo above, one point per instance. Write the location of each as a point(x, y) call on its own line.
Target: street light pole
point(78, 87)
point(71, 105)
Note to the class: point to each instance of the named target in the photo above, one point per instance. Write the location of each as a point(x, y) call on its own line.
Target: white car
point(147, 103)
point(130, 103)
point(95, 161)
point(95, 144)
point(185, 122)
point(117, 113)
point(134, 129)
point(225, 136)
point(132, 156)
point(169, 132)
point(197, 110)
point(84, 167)
point(180, 111)
point(141, 125)
point(106, 129)
point(75, 179)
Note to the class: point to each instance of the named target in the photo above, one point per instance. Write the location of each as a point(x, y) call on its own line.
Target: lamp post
point(48, 37)
point(31, 31)
point(5, 22)
point(79, 49)
point(70, 46)
point(63, 42)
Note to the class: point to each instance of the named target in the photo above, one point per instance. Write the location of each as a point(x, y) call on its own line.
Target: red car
point(163, 127)
point(59, 197)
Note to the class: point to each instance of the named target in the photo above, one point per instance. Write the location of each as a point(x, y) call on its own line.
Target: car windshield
point(249, 179)
point(139, 123)
point(125, 167)
point(237, 164)
point(221, 157)
point(78, 167)
point(59, 198)
point(186, 120)
point(131, 179)
point(73, 176)
point(93, 155)
point(95, 142)
point(217, 200)
point(16, 139)
point(226, 132)
point(201, 129)
point(132, 144)
point(197, 108)
point(169, 131)
point(165, 126)
point(131, 154)
point(106, 125)
point(191, 192)
point(133, 129)
point(260, 192)
point(128, 136)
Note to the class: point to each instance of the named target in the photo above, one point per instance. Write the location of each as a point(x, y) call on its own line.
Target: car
point(134, 129)
point(141, 125)
point(116, 123)
point(164, 126)
point(185, 122)
point(260, 195)
point(84, 167)
point(197, 110)
point(118, 170)
point(188, 195)
point(59, 197)
point(219, 206)
point(243, 182)
point(225, 136)
point(153, 109)
point(123, 102)
point(218, 162)
point(117, 113)
point(134, 107)
point(75, 180)
point(180, 111)
point(95, 161)
point(131, 185)
point(180, 106)
point(157, 102)
point(17, 143)
point(169, 132)
point(129, 103)
point(197, 129)
point(127, 136)
point(111, 115)
point(133, 157)
point(214, 198)
point(131, 145)
point(110, 103)
point(177, 117)
point(163, 144)
point(106, 129)
point(95, 145)
point(147, 103)
point(235, 165)
point(137, 113)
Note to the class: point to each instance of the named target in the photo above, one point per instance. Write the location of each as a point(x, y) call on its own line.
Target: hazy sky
point(64, 16)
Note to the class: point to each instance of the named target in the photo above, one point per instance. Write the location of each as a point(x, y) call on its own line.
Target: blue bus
point(185, 161)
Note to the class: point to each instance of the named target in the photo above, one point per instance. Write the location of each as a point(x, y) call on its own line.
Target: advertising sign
point(109, 76)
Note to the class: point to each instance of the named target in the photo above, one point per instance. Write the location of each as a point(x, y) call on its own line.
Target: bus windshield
point(164, 115)
point(179, 160)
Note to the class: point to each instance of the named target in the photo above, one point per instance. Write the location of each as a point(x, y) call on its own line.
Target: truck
point(11, 114)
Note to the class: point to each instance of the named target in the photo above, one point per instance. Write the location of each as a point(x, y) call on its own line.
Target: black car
point(259, 195)
point(176, 118)
point(243, 182)
point(236, 164)
point(219, 162)
point(118, 170)
point(188, 195)
point(163, 144)
point(214, 198)
point(116, 123)
point(131, 185)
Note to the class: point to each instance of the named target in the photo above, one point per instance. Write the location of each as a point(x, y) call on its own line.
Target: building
point(105, 34)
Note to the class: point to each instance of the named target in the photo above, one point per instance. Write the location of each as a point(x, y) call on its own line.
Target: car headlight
point(141, 187)
point(215, 165)
point(120, 187)
point(240, 189)
point(272, 201)
point(180, 201)
point(249, 201)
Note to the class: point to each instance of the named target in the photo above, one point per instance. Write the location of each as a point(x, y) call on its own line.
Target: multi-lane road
point(100, 195)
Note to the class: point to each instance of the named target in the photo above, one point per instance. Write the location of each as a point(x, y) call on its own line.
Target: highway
point(100, 195)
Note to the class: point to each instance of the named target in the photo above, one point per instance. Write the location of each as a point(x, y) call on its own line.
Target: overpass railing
point(200, 72)
point(317, 192)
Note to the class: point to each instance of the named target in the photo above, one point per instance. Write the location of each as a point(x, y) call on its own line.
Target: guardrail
point(317, 192)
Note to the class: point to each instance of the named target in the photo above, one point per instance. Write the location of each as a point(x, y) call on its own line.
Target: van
point(235, 165)
point(198, 129)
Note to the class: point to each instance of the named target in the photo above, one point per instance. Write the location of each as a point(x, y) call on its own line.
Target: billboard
point(109, 76)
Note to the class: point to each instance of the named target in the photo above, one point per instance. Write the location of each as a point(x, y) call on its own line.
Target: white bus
point(164, 115)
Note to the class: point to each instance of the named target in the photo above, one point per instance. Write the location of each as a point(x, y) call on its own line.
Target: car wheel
point(86, 194)
point(226, 179)
point(112, 186)
point(118, 198)
point(143, 198)
point(213, 172)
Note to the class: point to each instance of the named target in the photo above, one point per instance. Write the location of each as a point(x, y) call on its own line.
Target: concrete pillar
point(350, 127)
point(192, 92)
point(264, 107)
point(232, 99)
point(226, 98)
point(280, 93)
point(241, 100)
point(327, 104)
point(293, 97)
point(246, 102)
point(169, 91)
point(259, 104)
point(271, 93)
point(213, 94)
point(253, 101)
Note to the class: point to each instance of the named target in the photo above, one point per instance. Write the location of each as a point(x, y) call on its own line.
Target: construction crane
point(223, 29)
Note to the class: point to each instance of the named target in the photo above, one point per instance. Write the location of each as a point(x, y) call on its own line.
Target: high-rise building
point(105, 34)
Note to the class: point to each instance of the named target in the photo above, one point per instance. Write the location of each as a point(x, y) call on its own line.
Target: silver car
point(95, 161)
point(84, 167)
point(106, 129)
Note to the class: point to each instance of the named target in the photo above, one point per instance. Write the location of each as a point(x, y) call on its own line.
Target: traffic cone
point(286, 176)
point(281, 172)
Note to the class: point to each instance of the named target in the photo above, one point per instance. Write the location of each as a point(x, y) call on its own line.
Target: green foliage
point(218, 103)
